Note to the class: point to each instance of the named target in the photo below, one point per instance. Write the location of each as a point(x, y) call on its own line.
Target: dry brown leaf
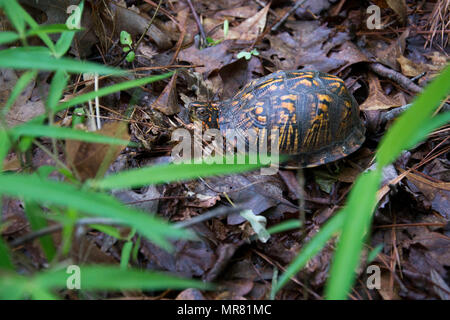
point(250, 28)
point(167, 100)
point(88, 159)
point(410, 68)
point(212, 58)
point(240, 12)
point(385, 290)
point(377, 100)
point(389, 55)
point(399, 7)
point(350, 53)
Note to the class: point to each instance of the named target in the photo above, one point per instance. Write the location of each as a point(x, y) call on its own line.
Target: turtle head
point(205, 112)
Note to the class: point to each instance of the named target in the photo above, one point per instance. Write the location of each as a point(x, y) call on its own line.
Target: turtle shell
point(315, 116)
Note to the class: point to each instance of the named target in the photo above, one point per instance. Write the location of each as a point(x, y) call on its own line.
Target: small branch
point(148, 27)
point(56, 227)
point(207, 216)
point(288, 14)
point(393, 75)
point(199, 24)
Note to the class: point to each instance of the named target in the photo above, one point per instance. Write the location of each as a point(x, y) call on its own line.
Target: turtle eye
point(202, 112)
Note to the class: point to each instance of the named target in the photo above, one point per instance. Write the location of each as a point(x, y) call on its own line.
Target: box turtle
point(317, 118)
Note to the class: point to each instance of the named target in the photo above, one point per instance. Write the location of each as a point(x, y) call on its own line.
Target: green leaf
point(125, 38)
point(374, 253)
point(168, 173)
point(109, 230)
point(78, 116)
point(115, 278)
point(359, 208)
point(20, 13)
point(403, 133)
point(37, 221)
point(20, 85)
point(130, 56)
point(126, 254)
point(244, 54)
point(12, 286)
point(8, 36)
point(40, 58)
point(56, 90)
point(36, 130)
point(47, 192)
point(50, 28)
point(254, 52)
point(15, 14)
point(285, 226)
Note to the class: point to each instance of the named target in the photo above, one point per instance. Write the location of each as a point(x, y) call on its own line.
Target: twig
point(56, 227)
point(148, 27)
point(199, 24)
point(405, 82)
point(208, 215)
point(287, 14)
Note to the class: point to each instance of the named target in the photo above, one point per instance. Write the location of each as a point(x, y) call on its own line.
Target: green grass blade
point(115, 278)
point(103, 92)
point(110, 90)
point(12, 286)
point(403, 133)
point(360, 206)
point(65, 41)
point(313, 247)
point(5, 261)
point(48, 29)
point(126, 254)
point(8, 36)
point(15, 15)
point(20, 85)
point(19, 11)
point(36, 130)
point(37, 221)
point(168, 173)
point(285, 226)
point(47, 192)
point(56, 90)
point(40, 58)
point(5, 145)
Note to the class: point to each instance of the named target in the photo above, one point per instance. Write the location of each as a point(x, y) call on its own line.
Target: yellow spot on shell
point(324, 97)
point(289, 106)
point(305, 82)
point(289, 97)
point(259, 110)
point(323, 107)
